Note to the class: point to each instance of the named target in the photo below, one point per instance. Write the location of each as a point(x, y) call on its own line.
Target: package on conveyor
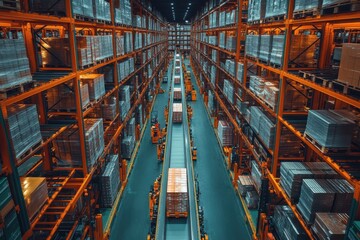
point(177, 94)
point(324, 195)
point(301, 5)
point(95, 84)
point(293, 173)
point(177, 113)
point(276, 8)
point(62, 97)
point(256, 10)
point(265, 47)
point(287, 226)
point(24, 127)
point(256, 174)
point(67, 144)
point(177, 193)
point(110, 181)
point(14, 64)
point(245, 184)
point(225, 132)
point(277, 49)
point(328, 129)
point(349, 71)
point(330, 225)
point(35, 193)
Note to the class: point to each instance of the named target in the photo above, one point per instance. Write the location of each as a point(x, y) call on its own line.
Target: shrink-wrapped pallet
point(228, 90)
point(109, 108)
point(177, 113)
point(225, 133)
point(306, 5)
point(265, 47)
point(95, 84)
point(256, 10)
point(110, 181)
point(177, 94)
point(286, 224)
point(177, 197)
point(256, 175)
point(330, 226)
point(240, 72)
point(277, 49)
point(276, 8)
point(127, 146)
point(245, 184)
point(252, 45)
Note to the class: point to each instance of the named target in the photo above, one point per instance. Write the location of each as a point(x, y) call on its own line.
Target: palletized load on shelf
point(290, 144)
point(222, 37)
point(123, 12)
point(177, 93)
point(120, 45)
point(127, 146)
point(130, 128)
point(110, 181)
point(256, 175)
point(67, 144)
point(257, 85)
point(228, 90)
point(230, 66)
point(252, 45)
point(330, 225)
point(109, 108)
point(286, 224)
point(230, 44)
point(240, 72)
point(177, 113)
point(245, 184)
point(62, 97)
point(213, 74)
point(267, 131)
point(276, 8)
point(102, 10)
point(255, 118)
point(24, 127)
point(256, 10)
point(293, 173)
point(177, 197)
point(230, 17)
point(271, 94)
point(324, 195)
point(95, 84)
point(308, 5)
point(210, 101)
point(14, 64)
point(265, 47)
point(252, 199)
point(328, 129)
point(349, 72)
point(277, 49)
point(225, 133)
point(35, 193)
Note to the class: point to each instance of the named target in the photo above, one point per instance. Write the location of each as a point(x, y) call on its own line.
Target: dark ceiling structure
point(178, 11)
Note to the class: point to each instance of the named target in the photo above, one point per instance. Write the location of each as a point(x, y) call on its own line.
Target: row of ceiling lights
point(173, 11)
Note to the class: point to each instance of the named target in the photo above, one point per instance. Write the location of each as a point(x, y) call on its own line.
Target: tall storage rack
point(72, 206)
point(293, 70)
point(179, 37)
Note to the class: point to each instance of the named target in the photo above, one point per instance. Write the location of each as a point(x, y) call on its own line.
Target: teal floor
point(224, 217)
point(132, 218)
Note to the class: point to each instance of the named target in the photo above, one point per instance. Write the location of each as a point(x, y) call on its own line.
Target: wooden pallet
point(345, 89)
point(325, 150)
point(29, 151)
point(275, 19)
point(16, 90)
point(306, 13)
point(10, 4)
point(177, 214)
point(83, 18)
point(342, 7)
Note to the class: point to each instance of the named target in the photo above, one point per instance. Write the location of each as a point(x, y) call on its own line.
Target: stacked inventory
point(265, 47)
point(225, 133)
point(230, 66)
point(108, 108)
point(256, 175)
point(349, 72)
point(177, 94)
point(125, 68)
point(324, 195)
point(330, 225)
point(123, 12)
point(128, 38)
point(24, 128)
point(252, 45)
point(222, 38)
point(120, 45)
point(276, 8)
point(240, 72)
point(328, 129)
point(110, 181)
point(293, 173)
point(83, 8)
point(210, 101)
point(303, 50)
point(286, 224)
point(95, 84)
point(308, 5)
point(230, 44)
point(8, 219)
point(257, 85)
point(263, 126)
point(252, 199)
point(14, 64)
point(128, 142)
point(228, 90)
point(177, 113)
point(102, 10)
point(35, 193)
point(62, 97)
point(245, 184)
point(67, 144)
point(256, 10)
point(139, 116)
point(213, 75)
point(270, 94)
point(177, 193)
point(124, 101)
point(277, 49)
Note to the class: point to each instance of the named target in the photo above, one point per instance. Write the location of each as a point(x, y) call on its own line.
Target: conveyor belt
point(178, 156)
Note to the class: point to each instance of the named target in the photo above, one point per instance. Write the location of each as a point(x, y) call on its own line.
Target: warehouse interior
point(192, 119)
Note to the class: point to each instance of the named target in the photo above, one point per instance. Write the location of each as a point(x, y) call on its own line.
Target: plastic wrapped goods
point(127, 146)
point(287, 226)
point(329, 129)
point(245, 184)
point(252, 45)
point(110, 181)
point(252, 199)
point(349, 72)
point(277, 49)
point(177, 198)
point(177, 113)
point(240, 72)
point(256, 10)
point(96, 85)
point(306, 5)
point(225, 133)
point(265, 47)
point(24, 127)
point(35, 193)
point(276, 8)
point(330, 226)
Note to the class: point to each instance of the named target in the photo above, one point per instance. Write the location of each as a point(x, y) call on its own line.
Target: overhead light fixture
point(172, 4)
point(186, 21)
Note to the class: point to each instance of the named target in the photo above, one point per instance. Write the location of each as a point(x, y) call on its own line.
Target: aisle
point(132, 218)
point(223, 213)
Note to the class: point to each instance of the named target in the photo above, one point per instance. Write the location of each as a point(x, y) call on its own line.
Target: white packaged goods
point(277, 49)
point(14, 64)
point(177, 197)
point(257, 85)
point(276, 8)
point(252, 45)
point(256, 10)
point(240, 72)
point(95, 84)
point(265, 47)
point(225, 133)
point(110, 181)
point(349, 72)
point(24, 127)
point(35, 193)
point(177, 112)
point(67, 144)
point(62, 97)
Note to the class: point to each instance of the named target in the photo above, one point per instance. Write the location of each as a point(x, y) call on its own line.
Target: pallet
point(277, 18)
point(345, 89)
point(177, 214)
point(87, 66)
point(107, 59)
point(16, 90)
point(101, 21)
point(306, 13)
point(326, 150)
point(10, 4)
point(83, 18)
point(30, 150)
point(344, 7)
point(256, 22)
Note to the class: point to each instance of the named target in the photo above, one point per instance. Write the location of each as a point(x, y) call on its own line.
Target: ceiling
point(180, 8)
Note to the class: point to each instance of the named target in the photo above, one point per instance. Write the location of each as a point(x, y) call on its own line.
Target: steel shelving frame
point(78, 180)
point(270, 165)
